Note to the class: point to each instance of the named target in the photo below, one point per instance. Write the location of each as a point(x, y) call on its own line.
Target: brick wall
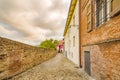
point(105, 60)
point(104, 46)
point(16, 57)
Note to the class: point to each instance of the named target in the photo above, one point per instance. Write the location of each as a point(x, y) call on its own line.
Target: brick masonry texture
point(109, 31)
point(105, 60)
point(16, 57)
point(103, 43)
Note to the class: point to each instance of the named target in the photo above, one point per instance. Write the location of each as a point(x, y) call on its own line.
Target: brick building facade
point(100, 38)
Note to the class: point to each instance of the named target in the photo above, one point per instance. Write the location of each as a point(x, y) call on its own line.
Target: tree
point(49, 44)
point(56, 42)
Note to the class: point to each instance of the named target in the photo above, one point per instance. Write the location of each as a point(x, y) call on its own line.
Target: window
point(114, 7)
point(74, 41)
point(69, 43)
point(101, 12)
point(71, 55)
point(89, 17)
point(74, 20)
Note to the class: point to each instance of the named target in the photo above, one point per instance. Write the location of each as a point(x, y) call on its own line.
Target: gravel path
point(58, 68)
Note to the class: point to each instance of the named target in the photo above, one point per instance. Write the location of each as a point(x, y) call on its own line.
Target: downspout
point(80, 34)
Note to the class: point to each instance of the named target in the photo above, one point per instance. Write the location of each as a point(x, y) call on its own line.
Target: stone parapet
point(16, 57)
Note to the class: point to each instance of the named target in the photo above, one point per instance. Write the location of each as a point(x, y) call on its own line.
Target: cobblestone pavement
point(58, 68)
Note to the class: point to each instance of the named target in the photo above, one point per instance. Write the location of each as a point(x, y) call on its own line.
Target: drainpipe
point(80, 34)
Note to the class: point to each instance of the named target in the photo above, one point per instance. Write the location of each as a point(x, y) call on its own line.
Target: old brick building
point(100, 38)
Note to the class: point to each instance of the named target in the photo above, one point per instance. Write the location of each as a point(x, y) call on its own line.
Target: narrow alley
point(59, 39)
point(58, 68)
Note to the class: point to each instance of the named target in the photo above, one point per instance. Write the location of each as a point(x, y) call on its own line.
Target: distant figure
point(60, 48)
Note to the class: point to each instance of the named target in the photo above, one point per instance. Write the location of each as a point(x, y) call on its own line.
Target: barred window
point(101, 12)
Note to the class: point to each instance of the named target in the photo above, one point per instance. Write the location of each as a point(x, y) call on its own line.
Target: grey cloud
point(33, 18)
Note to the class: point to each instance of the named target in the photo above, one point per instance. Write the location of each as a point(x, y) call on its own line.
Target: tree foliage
point(49, 44)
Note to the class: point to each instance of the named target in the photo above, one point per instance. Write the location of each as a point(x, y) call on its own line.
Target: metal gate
point(87, 62)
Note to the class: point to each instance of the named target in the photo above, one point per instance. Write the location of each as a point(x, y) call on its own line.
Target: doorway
point(87, 62)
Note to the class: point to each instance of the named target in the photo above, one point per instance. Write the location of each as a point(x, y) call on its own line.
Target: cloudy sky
point(32, 21)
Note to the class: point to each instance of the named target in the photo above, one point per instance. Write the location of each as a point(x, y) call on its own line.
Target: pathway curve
point(58, 68)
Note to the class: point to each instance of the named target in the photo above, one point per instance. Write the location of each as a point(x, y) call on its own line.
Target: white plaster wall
point(66, 39)
point(73, 51)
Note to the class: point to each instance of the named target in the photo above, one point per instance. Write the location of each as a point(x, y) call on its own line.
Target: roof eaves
point(70, 13)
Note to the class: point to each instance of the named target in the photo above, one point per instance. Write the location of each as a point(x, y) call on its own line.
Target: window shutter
point(89, 16)
point(114, 7)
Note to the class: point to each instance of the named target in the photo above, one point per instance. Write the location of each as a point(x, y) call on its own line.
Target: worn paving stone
point(58, 68)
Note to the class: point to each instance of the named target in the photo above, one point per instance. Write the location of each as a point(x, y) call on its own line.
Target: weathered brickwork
point(105, 60)
point(109, 31)
point(103, 43)
point(17, 57)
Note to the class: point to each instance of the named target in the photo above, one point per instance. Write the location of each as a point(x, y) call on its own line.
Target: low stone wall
point(16, 57)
